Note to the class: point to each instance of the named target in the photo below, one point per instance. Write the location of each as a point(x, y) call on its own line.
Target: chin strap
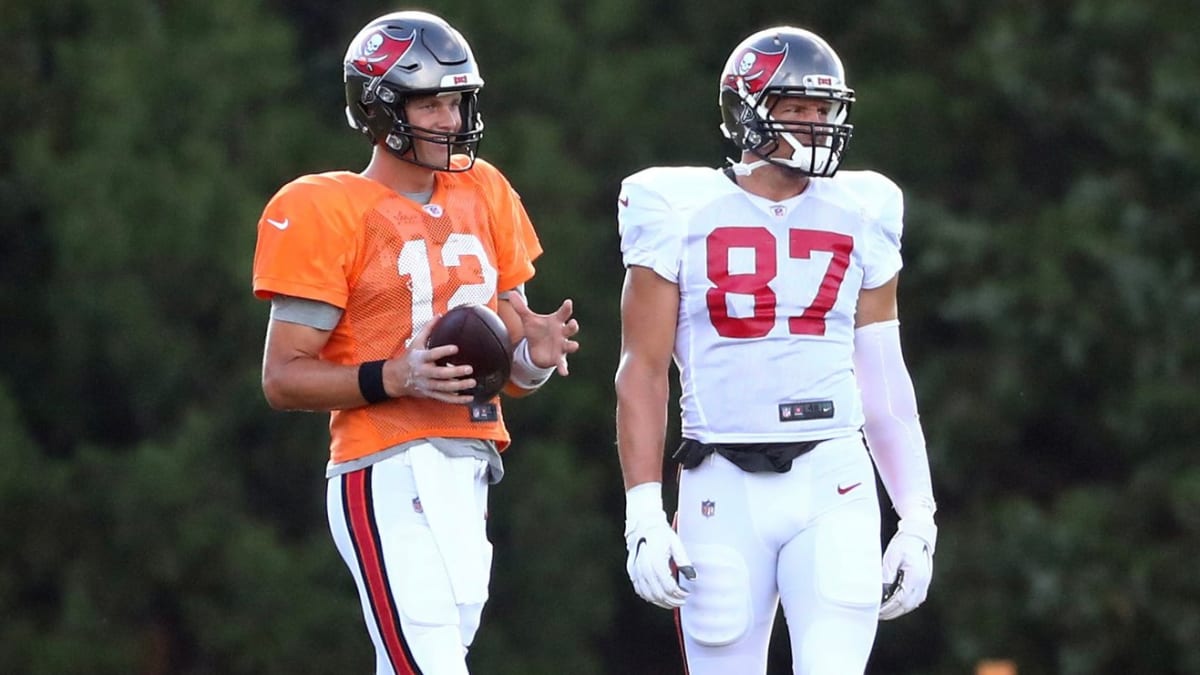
point(744, 169)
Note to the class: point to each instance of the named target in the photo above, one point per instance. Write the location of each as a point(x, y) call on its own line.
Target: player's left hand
point(908, 563)
point(549, 335)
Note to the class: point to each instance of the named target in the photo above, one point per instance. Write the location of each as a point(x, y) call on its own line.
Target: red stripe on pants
point(360, 518)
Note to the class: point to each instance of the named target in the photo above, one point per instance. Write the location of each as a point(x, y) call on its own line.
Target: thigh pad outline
point(847, 566)
point(718, 610)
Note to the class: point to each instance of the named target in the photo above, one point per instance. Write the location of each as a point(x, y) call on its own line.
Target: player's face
point(801, 109)
point(434, 115)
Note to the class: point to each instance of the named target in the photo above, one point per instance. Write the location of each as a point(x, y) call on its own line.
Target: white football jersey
point(768, 292)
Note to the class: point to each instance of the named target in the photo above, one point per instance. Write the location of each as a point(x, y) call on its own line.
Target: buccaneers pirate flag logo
point(754, 70)
point(381, 52)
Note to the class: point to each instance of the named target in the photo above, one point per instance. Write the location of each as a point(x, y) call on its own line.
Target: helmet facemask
point(401, 136)
point(816, 148)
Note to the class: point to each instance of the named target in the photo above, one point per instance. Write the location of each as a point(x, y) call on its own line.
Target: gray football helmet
point(405, 54)
point(785, 61)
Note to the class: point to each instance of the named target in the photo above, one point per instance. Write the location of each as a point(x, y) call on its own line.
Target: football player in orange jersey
point(357, 266)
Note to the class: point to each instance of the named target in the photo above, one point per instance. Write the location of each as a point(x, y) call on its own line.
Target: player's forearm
point(903, 465)
point(893, 427)
point(641, 423)
point(314, 384)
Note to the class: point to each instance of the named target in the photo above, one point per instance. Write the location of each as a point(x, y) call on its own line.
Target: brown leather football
point(483, 344)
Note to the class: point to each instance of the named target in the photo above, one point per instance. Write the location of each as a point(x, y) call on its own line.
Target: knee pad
point(718, 611)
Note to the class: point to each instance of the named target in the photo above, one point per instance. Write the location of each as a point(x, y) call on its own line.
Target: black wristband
point(370, 381)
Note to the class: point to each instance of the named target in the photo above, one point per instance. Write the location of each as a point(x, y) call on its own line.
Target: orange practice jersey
point(392, 265)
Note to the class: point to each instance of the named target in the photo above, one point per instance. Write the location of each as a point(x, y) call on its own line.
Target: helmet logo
point(755, 70)
point(380, 52)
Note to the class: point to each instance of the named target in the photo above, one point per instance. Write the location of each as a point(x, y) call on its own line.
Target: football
point(482, 342)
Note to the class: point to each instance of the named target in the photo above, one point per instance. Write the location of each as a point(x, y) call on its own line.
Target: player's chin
point(433, 154)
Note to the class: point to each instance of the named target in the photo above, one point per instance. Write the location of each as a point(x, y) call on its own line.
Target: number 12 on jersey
point(756, 283)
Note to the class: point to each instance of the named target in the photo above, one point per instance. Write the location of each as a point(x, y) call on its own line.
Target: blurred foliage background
point(157, 517)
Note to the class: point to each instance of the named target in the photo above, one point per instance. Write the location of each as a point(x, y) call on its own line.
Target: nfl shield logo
point(416, 503)
point(708, 508)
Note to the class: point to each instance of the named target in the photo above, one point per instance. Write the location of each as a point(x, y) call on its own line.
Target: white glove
point(908, 567)
point(653, 546)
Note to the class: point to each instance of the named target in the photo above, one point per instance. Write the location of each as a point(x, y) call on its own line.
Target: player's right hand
point(655, 551)
point(424, 378)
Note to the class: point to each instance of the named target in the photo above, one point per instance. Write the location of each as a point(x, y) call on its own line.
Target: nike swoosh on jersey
point(843, 490)
point(279, 224)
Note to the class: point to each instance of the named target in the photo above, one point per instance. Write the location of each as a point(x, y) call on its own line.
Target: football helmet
point(778, 62)
point(405, 54)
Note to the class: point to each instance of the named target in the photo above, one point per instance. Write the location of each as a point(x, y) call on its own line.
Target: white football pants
point(809, 538)
point(412, 530)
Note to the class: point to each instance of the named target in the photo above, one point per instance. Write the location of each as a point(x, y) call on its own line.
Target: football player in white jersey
point(772, 285)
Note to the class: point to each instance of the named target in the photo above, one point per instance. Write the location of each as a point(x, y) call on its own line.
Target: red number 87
point(801, 244)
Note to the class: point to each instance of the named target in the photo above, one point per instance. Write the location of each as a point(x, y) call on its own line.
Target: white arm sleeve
point(893, 428)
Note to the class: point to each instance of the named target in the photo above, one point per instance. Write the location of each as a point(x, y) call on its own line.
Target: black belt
point(751, 457)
